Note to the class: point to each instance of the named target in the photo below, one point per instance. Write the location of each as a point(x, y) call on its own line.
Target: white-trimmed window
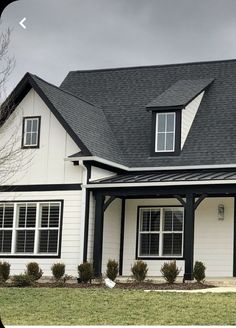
point(165, 132)
point(31, 228)
point(160, 232)
point(31, 128)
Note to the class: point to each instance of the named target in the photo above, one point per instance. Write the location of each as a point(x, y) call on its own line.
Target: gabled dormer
point(173, 112)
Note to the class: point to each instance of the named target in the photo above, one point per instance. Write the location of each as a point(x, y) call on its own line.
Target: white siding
point(154, 266)
point(214, 238)
point(45, 165)
point(98, 173)
point(188, 115)
point(71, 252)
point(111, 233)
point(213, 241)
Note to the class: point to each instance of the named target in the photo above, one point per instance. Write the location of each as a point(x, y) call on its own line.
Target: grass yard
point(61, 306)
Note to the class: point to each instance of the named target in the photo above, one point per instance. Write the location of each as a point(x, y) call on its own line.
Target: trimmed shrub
point(199, 271)
point(4, 271)
point(85, 271)
point(139, 270)
point(22, 280)
point(112, 269)
point(170, 271)
point(33, 270)
point(58, 270)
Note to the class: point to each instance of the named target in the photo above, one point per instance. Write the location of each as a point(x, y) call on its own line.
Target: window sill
point(160, 258)
point(28, 256)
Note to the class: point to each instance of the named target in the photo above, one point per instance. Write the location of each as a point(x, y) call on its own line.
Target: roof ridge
point(65, 91)
point(152, 66)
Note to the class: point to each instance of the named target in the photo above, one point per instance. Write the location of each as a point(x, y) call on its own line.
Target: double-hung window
point(30, 228)
point(165, 132)
point(160, 232)
point(31, 131)
point(6, 227)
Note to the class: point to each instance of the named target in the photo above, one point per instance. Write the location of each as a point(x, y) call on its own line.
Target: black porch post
point(122, 230)
point(98, 235)
point(189, 236)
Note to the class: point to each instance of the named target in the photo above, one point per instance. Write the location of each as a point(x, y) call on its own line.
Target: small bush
point(22, 280)
point(170, 271)
point(58, 270)
point(85, 271)
point(199, 271)
point(139, 270)
point(4, 271)
point(33, 270)
point(112, 269)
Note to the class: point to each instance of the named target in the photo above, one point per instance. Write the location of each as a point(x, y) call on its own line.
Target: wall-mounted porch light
point(221, 212)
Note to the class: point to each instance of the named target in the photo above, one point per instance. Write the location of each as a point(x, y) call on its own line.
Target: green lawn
point(44, 306)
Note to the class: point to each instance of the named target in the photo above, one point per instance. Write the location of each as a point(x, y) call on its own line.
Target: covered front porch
point(145, 222)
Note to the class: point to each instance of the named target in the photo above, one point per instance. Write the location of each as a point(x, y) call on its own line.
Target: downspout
point(85, 209)
point(84, 212)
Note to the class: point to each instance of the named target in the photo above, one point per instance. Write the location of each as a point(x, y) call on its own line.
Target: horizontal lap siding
point(71, 254)
point(214, 238)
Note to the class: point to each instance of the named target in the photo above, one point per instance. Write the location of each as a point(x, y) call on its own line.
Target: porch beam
point(98, 234)
point(200, 199)
point(189, 236)
point(108, 202)
point(214, 190)
point(122, 230)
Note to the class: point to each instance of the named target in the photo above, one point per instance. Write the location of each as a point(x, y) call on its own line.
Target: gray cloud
point(65, 35)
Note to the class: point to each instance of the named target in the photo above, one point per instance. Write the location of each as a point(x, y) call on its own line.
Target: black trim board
point(41, 187)
point(37, 256)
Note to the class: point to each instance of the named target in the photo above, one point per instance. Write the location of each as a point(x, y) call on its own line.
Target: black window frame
point(23, 146)
point(38, 255)
point(178, 124)
point(160, 257)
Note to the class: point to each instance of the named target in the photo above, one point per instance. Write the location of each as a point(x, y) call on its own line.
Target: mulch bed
point(124, 285)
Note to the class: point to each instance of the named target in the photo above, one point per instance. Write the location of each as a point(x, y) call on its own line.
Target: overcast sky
point(64, 35)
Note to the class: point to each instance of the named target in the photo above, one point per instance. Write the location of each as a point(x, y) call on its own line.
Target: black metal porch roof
point(170, 176)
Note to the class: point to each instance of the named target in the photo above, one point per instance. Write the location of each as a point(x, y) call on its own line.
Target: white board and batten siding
point(43, 166)
point(47, 164)
point(188, 115)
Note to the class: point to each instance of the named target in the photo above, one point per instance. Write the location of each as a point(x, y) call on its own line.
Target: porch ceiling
point(170, 176)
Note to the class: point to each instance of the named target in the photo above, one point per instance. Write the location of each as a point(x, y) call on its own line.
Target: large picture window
point(30, 228)
point(165, 132)
point(160, 232)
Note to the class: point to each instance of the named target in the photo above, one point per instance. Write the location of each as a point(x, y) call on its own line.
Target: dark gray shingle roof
point(124, 93)
point(180, 93)
point(87, 121)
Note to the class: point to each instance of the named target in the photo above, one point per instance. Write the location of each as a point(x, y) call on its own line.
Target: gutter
point(154, 168)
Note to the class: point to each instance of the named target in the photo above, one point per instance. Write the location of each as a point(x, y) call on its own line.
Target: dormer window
point(165, 132)
point(31, 131)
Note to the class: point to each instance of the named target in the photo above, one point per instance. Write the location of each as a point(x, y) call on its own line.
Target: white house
point(127, 163)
